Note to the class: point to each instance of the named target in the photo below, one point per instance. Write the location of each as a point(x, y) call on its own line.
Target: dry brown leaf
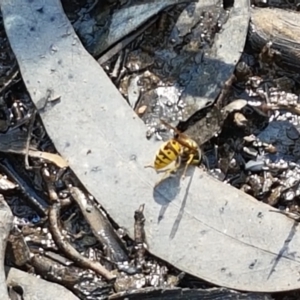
point(15, 142)
point(49, 157)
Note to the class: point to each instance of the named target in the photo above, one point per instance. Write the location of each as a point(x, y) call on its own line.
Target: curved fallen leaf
point(199, 225)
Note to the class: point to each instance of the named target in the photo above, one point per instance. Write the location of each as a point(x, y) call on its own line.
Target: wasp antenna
point(169, 125)
point(178, 132)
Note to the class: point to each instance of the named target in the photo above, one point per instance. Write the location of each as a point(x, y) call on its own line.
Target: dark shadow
point(99, 28)
point(180, 214)
point(167, 191)
point(199, 91)
point(284, 249)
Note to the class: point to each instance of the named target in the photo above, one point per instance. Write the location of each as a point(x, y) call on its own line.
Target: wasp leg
point(166, 175)
point(190, 161)
point(159, 171)
point(168, 172)
point(149, 166)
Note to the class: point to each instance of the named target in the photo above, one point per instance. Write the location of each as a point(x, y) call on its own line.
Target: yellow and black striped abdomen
point(167, 153)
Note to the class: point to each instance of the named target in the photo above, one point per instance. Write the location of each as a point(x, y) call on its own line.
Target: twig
point(49, 157)
point(101, 227)
point(29, 132)
point(60, 240)
point(9, 81)
point(70, 252)
point(140, 235)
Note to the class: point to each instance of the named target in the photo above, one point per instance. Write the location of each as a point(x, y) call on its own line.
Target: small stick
point(140, 235)
point(9, 81)
point(30, 128)
point(70, 252)
point(60, 240)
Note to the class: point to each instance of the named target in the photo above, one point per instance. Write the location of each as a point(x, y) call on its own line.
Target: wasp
point(174, 152)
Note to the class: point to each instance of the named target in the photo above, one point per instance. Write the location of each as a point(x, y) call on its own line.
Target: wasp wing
point(181, 136)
